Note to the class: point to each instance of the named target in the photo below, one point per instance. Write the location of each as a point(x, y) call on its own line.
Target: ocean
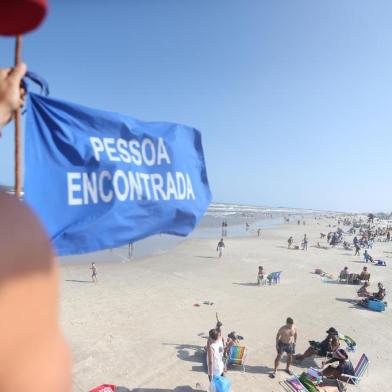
point(242, 220)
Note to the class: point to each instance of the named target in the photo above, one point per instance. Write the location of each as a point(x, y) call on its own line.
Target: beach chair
point(274, 277)
point(360, 369)
point(237, 356)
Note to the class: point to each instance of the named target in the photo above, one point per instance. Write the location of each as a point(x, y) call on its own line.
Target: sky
point(293, 98)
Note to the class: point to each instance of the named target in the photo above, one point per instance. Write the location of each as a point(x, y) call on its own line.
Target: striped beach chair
point(237, 356)
point(360, 369)
point(293, 384)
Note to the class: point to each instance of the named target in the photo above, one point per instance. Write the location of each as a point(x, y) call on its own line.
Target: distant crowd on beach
point(336, 363)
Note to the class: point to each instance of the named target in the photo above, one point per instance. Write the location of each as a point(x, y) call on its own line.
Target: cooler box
point(377, 306)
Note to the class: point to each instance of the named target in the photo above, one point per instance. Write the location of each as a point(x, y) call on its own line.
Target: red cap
point(21, 16)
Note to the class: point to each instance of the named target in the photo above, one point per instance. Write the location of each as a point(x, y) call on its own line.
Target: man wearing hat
point(344, 367)
point(328, 345)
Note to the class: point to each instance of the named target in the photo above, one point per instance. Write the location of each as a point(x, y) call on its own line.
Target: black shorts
point(288, 348)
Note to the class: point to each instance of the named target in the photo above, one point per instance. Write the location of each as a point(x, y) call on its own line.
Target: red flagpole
point(18, 59)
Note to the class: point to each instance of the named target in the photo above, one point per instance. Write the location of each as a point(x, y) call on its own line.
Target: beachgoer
point(215, 350)
point(93, 273)
point(363, 292)
point(260, 275)
point(357, 249)
point(232, 340)
point(364, 275)
point(344, 273)
point(328, 345)
point(220, 247)
point(290, 242)
point(286, 338)
point(388, 236)
point(344, 367)
point(305, 243)
point(33, 355)
point(367, 257)
point(380, 294)
point(258, 232)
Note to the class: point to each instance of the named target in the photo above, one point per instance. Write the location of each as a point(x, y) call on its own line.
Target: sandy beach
point(138, 326)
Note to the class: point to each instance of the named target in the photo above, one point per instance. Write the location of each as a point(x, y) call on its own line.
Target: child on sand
point(260, 275)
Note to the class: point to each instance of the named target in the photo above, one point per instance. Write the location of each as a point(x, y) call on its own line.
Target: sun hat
point(332, 331)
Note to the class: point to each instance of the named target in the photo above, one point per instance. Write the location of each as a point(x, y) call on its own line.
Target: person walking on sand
point(290, 242)
point(357, 249)
point(220, 247)
point(286, 338)
point(93, 268)
point(258, 232)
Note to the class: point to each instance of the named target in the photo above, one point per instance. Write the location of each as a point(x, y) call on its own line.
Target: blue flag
point(99, 179)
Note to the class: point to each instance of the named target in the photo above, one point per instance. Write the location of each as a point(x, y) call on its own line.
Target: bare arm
point(33, 354)
point(295, 336)
point(278, 336)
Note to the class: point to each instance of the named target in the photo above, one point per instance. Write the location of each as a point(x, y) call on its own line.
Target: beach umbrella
point(18, 17)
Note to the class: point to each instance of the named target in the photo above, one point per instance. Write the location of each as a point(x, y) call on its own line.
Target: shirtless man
point(33, 355)
point(286, 338)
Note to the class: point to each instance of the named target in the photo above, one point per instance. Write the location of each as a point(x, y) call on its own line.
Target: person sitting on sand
point(380, 294)
point(215, 350)
point(232, 340)
point(260, 275)
point(367, 257)
point(290, 242)
point(364, 275)
point(328, 345)
point(286, 338)
point(344, 273)
point(344, 367)
point(363, 292)
point(220, 247)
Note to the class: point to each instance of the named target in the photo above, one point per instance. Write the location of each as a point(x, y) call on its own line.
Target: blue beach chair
point(274, 277)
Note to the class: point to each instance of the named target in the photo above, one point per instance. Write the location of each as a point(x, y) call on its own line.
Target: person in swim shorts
point(286, 339)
